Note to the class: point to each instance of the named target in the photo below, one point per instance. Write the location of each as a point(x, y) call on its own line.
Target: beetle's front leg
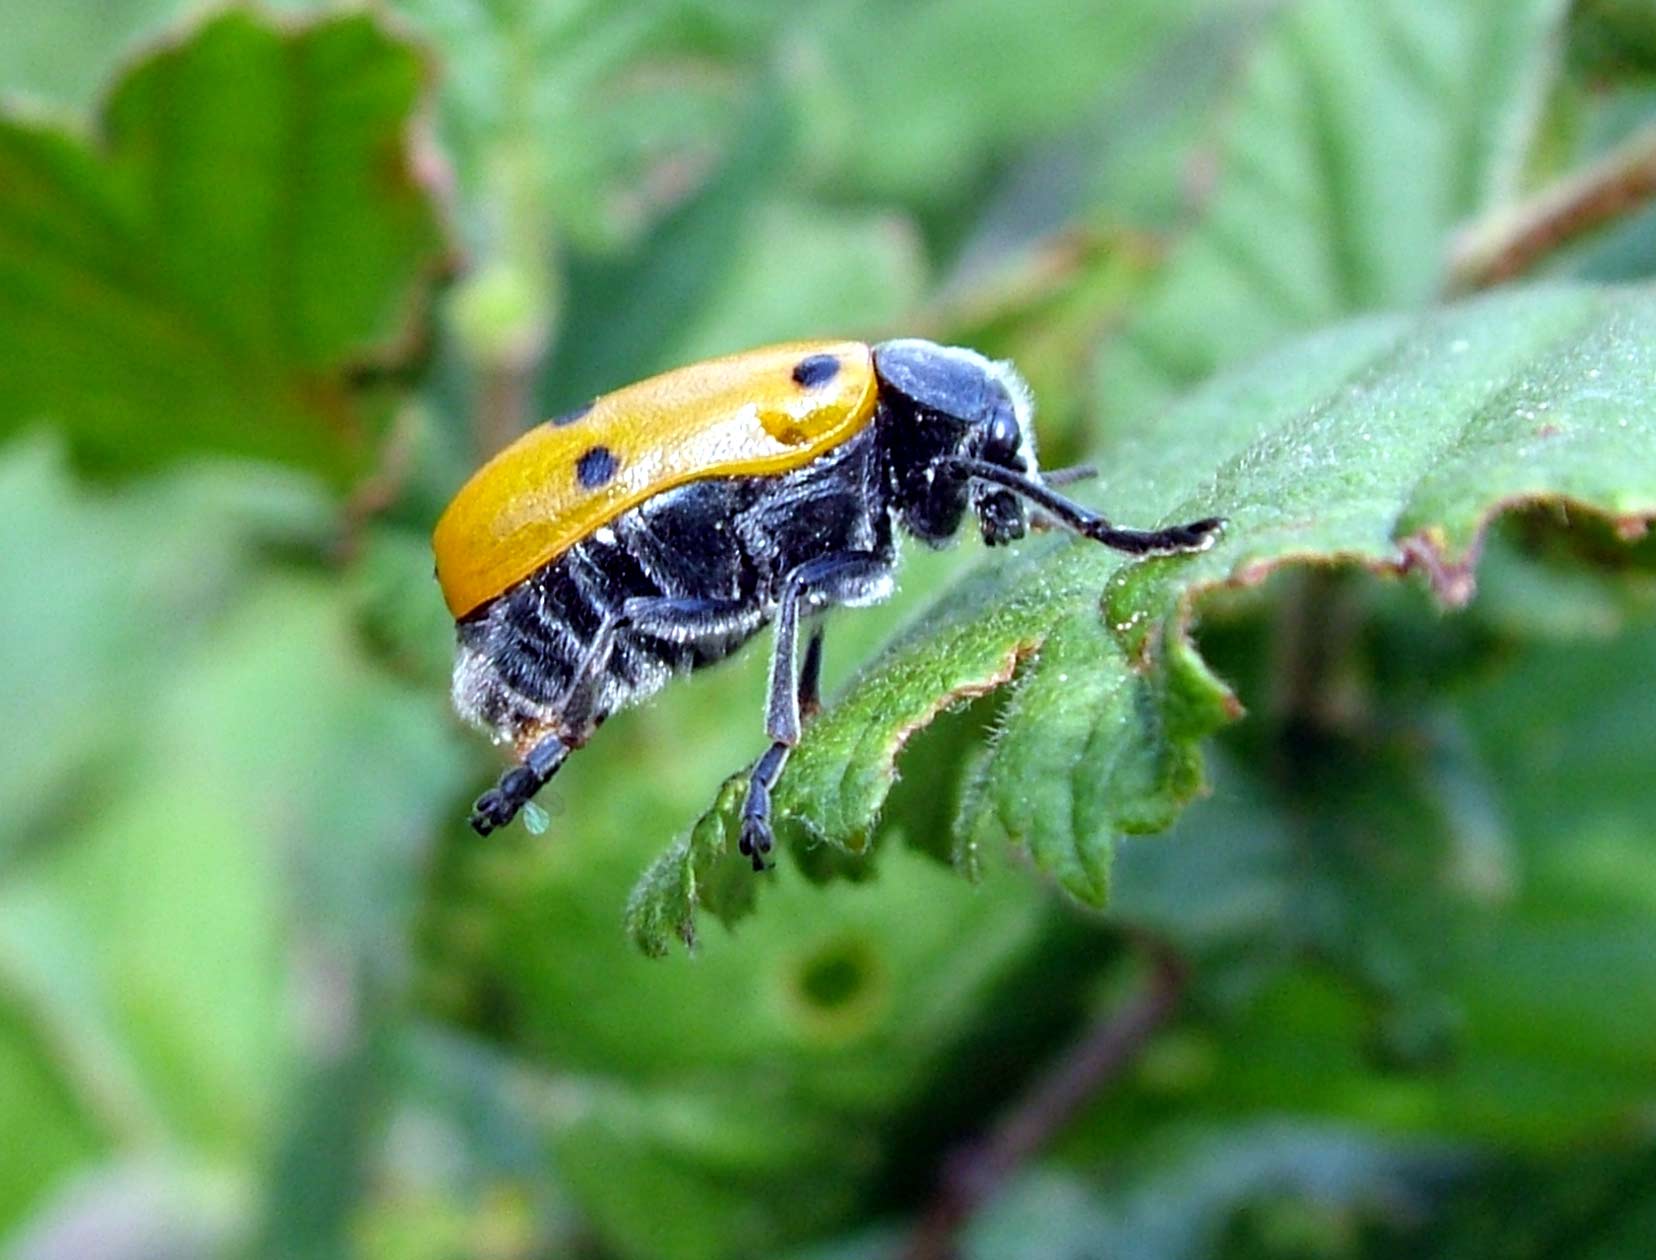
point(1169, 541)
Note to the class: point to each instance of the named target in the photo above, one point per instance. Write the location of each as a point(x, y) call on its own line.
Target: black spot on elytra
point(819, 369)
point(595, 467)
point(570, 417)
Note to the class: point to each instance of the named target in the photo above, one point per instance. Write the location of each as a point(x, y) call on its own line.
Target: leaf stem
point(974, 1174)
point(1512, 241)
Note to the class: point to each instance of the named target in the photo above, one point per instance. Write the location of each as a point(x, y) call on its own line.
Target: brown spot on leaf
point(1451, 581)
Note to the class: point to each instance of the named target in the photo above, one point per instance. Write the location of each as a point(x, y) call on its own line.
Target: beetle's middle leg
point(809, 690)
point(681, 620)
point(851, 577)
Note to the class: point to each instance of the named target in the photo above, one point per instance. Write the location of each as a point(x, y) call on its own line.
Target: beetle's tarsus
point(757, 838)
point(1174, 540)
point(492, 810)
point(756, 841)
point(501, 803)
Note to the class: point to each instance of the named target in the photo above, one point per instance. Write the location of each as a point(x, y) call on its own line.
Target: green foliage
point(262, 992)
point(198, 277)
point(1363, 135)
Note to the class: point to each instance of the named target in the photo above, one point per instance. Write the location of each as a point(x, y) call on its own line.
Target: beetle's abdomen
point(726, 543)
point(518, 654)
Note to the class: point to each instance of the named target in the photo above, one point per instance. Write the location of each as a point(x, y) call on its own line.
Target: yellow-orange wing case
point(758, 413)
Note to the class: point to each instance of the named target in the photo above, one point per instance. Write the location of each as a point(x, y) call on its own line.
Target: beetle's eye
point(1003, 437)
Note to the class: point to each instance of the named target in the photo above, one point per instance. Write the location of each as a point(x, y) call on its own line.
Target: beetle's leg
point(679, 620)
point(850, 577)
point(1195, 536)
point(683, 620)
point(756, 833)
point(500, 804)
point(810, 676)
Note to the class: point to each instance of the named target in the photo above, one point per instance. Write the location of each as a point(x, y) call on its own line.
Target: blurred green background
point(272, 282)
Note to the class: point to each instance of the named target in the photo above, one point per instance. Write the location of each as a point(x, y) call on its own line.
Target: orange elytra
point(744, 414)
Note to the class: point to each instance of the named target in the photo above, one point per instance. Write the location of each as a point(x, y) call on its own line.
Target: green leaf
point(239, 799)
point(1610, 38)
point(1436, 919)
point(240, 247)
point(1364, 131)
point(1389, 443)
point(911, 102)
point(628, 92)
point(846, 269)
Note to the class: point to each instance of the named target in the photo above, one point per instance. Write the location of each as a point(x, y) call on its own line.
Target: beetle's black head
point(938, 401)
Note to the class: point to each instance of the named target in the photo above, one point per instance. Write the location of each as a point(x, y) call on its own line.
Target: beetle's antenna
point(1041, 521)
point(1195, 536)
point(1067, 476)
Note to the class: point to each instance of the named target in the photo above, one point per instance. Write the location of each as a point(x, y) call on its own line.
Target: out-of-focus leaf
point(1598, 1203)
point(271, 808)
point(1614, 37)
point(1190, 1186)
point(1364, 132)
point(231, 257)
point(104, 598)
point(37, 1099)
point(593, 119)
point(399, 608)
point(620, 310)
point(912, 101)
point(135, 1211)
point(1133, 161)
point(1429, 923)
point(736, 266)
point(1390, 443)
point(1532, 585)
point(1045, 312)
point(101, 597)
point(59, 53)
point(845, 270)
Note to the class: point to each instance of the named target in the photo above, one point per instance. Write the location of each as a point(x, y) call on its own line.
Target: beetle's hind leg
point(684, 620)
point(500, 804)
point(853, 577)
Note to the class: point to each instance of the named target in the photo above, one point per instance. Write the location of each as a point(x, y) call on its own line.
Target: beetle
point(659, 528)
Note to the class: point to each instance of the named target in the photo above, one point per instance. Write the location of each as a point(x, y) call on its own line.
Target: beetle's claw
point(756, 841)
point(492, 810)
point(1202, 534)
